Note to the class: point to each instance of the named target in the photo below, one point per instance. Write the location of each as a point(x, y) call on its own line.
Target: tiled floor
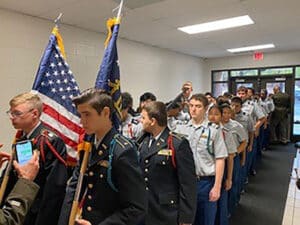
point(292, 207)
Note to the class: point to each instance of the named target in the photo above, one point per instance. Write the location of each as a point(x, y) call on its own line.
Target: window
point(219, 89)
point(277, 71)
point(220, 76)
point(271, 85)
point(296, 129)
point(297, 72)
point(242, 73)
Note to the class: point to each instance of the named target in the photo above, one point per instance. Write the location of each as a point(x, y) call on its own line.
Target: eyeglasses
point(17, 114)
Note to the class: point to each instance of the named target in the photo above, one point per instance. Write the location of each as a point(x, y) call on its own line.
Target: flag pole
point(57, 20)
point(120, 9)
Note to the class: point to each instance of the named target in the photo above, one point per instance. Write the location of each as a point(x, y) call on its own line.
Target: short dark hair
point(251, 89)
point(158, 111)
point(201, 98)
point(218, 107)
point(209, 93)
point(146, 96)
point(227, 94)
point(225, 105)
point(96, 98)
point(237, 99)
point(264, 91)
point(221, 99)
point(127, 100)
point(242, 88)
point(173, 105)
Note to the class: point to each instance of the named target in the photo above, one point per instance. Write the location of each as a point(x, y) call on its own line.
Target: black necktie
point(151, 142)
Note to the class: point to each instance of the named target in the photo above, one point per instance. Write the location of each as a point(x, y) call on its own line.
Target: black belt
point(205, 177)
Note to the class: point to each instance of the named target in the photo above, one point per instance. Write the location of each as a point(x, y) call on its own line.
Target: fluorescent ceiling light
point(217, 25)
point(251, 48)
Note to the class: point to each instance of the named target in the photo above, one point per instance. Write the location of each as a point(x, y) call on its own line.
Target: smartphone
point(24, 151)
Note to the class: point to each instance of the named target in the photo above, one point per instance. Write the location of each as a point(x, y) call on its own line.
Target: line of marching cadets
point(186, 162)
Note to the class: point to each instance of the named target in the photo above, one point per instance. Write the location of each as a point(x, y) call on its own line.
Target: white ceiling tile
point(156, 24)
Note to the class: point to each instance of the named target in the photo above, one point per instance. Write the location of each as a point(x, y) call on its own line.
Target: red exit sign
point(258, 56)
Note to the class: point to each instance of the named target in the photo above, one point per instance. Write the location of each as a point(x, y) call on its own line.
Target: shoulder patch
point(134, 121)
point(178, 135)
point(181, 122)
point(49, 134)
point(123, 141)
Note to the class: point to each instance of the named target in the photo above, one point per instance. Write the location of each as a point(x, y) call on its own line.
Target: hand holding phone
point(24, 151)
point(30, 169)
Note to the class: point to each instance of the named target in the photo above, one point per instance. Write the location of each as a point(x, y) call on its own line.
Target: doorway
point(268, 82)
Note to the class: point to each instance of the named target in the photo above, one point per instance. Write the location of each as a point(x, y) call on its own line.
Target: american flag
point(108, 77)
point(56, 86)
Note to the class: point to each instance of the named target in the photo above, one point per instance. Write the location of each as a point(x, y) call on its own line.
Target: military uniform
point(115, 190)
point(239, 135)
point(18, 202)
point(256, 113)
point(207, 143)
point(246, 121)
point(183, 116)
point(264, 106)
point(229, 140)
point(170, 179)
point(280, 116)
point(173, 122)
point(222, 211)
point(270, 104)
point(52, 177)
point(131, 127)
point(248, 124)
point(253, 109)
point(237, 130)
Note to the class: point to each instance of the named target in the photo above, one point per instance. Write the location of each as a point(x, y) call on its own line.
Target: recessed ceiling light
point(250, 48)
point(217, 25)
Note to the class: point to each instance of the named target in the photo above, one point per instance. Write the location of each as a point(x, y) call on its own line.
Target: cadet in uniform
point(114, 188)
point(209, 151)
point(25, 111)
point(169, 171)
point(215, 116)
point(186, 90)
point(252, 109)
point(131, 127)
point(268, 104)
point(240, 138)
point(173, 111)
point(211, 101)
point(280, 116)
point(246, 121)
point(144, 98)
point(21, 197)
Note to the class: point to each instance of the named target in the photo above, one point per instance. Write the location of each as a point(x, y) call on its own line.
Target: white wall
point(143, 68)
point(246, 61)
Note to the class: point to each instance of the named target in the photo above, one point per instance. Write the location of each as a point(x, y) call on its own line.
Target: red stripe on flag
point(71, 160)
point(62, 119)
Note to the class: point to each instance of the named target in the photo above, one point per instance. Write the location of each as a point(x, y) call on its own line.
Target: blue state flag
point(108, 77)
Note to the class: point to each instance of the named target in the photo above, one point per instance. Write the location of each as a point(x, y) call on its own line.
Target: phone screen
point(24, 151)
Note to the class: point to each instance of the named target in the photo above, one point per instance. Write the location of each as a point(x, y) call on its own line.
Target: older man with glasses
point(25, 111)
